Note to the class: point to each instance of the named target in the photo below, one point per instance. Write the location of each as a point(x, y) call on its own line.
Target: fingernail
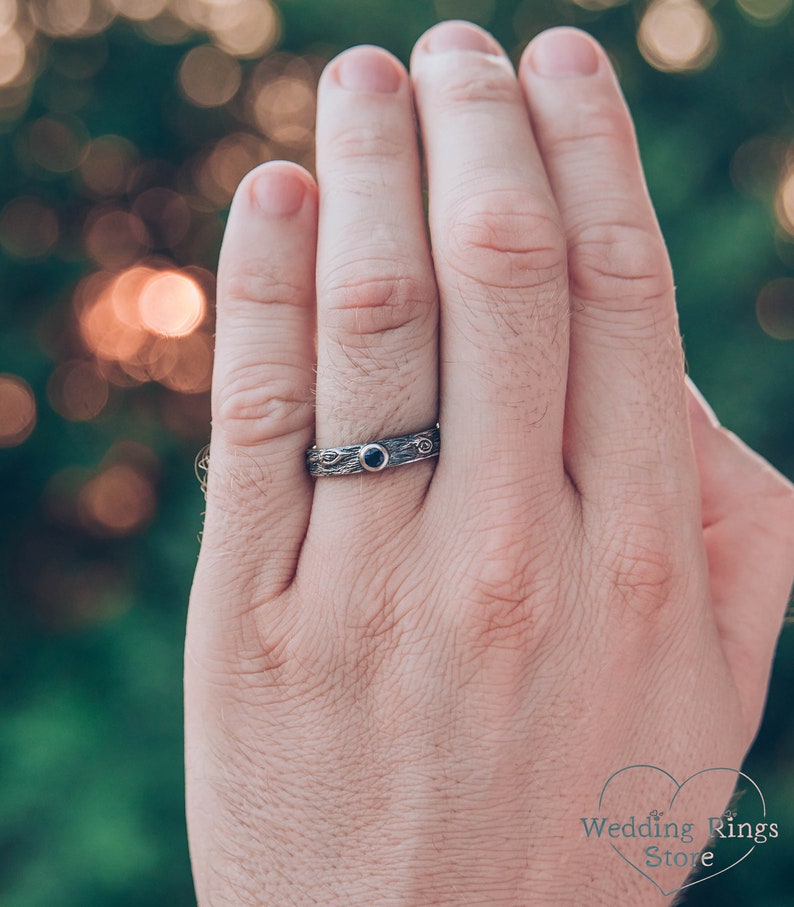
point(460, 36)
point(279, 192)
point(563, 52)
point(368, 69)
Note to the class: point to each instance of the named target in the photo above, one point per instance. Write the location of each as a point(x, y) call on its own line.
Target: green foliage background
point(91, 801)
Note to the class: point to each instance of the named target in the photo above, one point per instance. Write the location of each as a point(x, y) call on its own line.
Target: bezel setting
point(369, 453)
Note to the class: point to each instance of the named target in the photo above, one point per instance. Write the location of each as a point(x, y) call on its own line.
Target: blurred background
point(125, 126)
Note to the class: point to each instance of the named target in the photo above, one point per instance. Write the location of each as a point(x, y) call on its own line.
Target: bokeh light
point(218, 174)
point(55, 145)
point(186, 364)
point(13, 54)
point(677, 36)
point(165, 215)
point(106, 166)
point(209, 77)
point(784, 200)
point(28, 227)
point(244, 28)
point(764, 12)
point(283, 109)
point(756, 165)
point(171, 304)
point(119, 501)
point(138, 10)
point(166, 28)
point(775, 308)
point(115, 238)
point(17, 410)
point(142, 324)
point(8, 15)
point(77, 390)
point(69, 18)
point(107, 309)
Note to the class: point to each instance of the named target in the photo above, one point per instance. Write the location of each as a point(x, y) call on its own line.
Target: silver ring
point(375, 456)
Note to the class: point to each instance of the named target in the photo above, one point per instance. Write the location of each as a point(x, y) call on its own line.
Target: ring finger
point(376, 308)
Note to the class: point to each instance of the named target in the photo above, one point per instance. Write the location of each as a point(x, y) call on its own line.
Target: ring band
point(374, 456)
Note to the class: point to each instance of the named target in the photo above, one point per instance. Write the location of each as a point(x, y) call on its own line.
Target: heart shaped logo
point(666, 830)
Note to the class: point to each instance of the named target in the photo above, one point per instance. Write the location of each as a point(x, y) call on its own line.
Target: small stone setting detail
point(374, 457)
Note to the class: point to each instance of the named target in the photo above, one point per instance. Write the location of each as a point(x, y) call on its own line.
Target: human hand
point(405, 688)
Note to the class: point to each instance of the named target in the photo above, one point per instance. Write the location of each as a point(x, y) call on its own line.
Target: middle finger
point(376, 308)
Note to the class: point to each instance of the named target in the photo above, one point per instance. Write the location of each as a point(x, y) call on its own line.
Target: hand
point(406, 688)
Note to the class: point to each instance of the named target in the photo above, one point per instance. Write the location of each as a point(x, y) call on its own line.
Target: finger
point(376, 332)
point(748, 527)
point(626, 410)
point(259, 494)
point(499, 258)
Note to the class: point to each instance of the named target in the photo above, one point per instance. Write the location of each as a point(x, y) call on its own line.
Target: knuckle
point(503, 239)
point(598, 128)
point(492, 617)
point(251, 408)
point(257, 282)
point(364, 300)
point(638, 565)
point(613, 264)
point(504, 583)
point(369, 141)
point(484, 81)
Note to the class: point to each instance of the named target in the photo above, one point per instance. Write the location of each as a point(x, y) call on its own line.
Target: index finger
point(259, 494)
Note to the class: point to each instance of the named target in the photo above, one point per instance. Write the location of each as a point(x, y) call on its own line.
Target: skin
point(406, 688)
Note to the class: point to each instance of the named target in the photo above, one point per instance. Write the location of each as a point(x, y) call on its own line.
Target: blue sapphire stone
point(374, 457)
